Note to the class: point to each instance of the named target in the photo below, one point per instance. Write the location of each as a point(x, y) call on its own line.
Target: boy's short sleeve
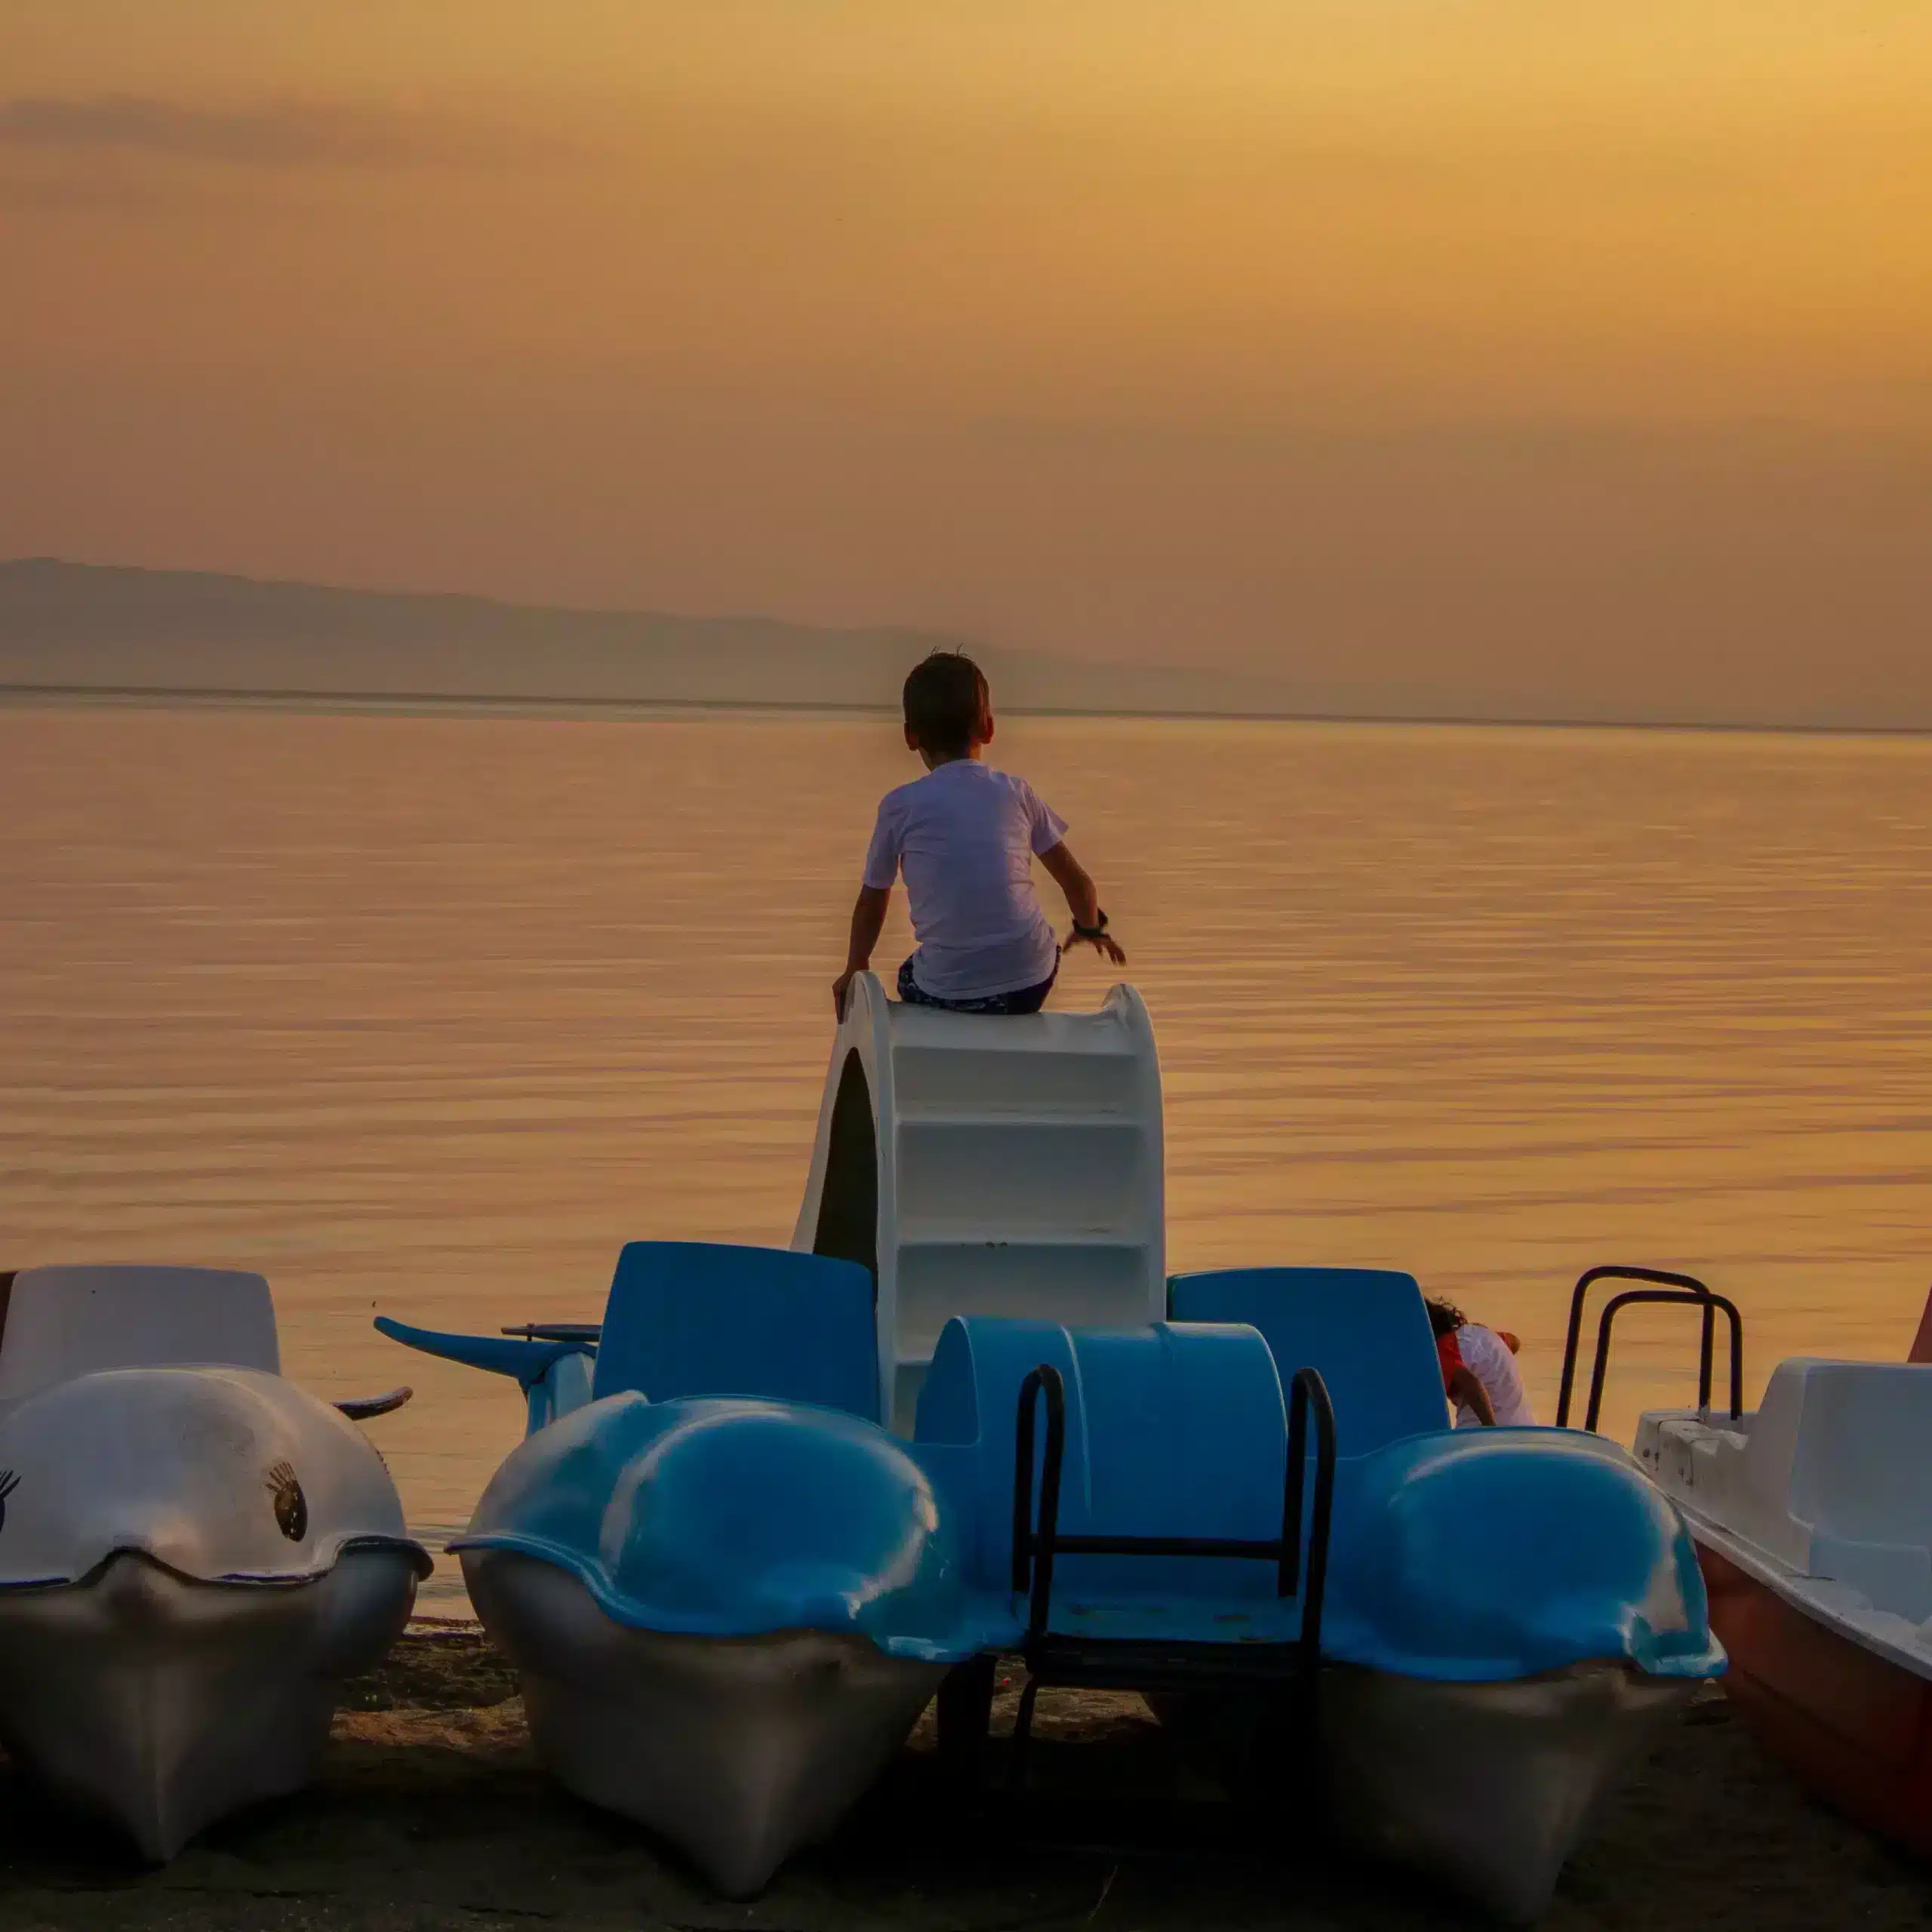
point(882, 855)
point(1048, 828)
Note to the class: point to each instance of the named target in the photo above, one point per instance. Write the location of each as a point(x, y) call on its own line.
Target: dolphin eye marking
point(9, 1482)
point(291, 1506)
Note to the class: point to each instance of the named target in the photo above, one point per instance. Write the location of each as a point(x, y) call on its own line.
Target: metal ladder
point(1671, 1287)
point(1288, 1671)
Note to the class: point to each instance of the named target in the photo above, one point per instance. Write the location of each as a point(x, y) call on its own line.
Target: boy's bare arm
point(1083, 900)
point(868, 922)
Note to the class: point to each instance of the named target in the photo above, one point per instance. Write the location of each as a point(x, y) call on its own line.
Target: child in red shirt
point(1479, 1371)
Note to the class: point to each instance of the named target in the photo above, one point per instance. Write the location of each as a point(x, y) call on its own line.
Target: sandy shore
point(431, 1812)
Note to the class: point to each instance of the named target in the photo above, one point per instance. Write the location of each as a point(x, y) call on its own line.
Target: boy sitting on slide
point(966, 837)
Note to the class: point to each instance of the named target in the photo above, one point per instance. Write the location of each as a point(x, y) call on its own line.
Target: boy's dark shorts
point(1028, 999)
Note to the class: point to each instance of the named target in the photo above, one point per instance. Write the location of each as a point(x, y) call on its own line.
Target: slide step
point(983, 1166)
point(913, 1116)
point(916, 1235)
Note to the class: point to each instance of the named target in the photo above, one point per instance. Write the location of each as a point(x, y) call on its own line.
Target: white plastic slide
point(981, 1166)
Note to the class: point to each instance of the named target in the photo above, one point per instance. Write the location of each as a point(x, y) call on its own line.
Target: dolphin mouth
point(421, 1561)
point(235, 1579)
point(163, 1702)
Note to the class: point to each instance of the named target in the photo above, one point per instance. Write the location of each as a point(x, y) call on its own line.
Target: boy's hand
point(841, 987)
point(1102, 943)
point(1083, 902)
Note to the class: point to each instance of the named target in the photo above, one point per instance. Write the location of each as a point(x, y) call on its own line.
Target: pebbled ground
point(432, 1813)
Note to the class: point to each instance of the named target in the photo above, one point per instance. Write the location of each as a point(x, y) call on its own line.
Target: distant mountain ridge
point(91, 627)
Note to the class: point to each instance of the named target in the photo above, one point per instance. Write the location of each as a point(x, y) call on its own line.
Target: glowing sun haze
point(1579, 349)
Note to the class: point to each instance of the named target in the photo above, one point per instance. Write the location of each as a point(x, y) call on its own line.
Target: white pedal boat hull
point(1487, 1788)
point(1810, 1519)
point(165, 1704)
point(192, 1561)
point(738, 1751)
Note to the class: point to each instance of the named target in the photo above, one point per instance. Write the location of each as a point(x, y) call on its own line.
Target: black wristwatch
point(1093, 931)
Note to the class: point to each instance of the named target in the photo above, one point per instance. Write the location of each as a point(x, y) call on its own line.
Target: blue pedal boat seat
point(1365, 1329)
point(708, 1318)
point(1170, 1432)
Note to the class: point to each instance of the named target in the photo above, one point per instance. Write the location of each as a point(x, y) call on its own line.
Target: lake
point(427, 1014)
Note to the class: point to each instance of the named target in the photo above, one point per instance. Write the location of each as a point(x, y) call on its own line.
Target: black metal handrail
point(1036, 1544)
point(1308, 1391)
point(556, 1331)
point(1672, 1288)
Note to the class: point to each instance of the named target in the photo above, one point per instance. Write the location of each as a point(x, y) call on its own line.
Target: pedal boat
point(730, 1591)
point(779, 1498)
point(1812, 1517)
point(194, 1552)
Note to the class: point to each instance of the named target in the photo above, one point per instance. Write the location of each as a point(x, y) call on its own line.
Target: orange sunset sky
point(1554, 351)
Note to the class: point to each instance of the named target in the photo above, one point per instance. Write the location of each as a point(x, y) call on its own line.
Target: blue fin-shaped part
point(526, 1363)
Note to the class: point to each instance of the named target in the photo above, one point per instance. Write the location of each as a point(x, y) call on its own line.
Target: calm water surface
point(428, 1015)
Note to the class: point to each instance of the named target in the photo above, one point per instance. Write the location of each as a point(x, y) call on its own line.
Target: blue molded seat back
point(703, 1318)
point(1365, 1329)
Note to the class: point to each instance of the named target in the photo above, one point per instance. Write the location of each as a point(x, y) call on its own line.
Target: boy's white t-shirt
point(965, 836)
point(1487, 1356)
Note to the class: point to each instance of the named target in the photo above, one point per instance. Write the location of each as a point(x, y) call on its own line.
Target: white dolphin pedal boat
point(194, 1553)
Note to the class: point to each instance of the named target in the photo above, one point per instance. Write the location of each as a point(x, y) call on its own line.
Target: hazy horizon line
point(168, 697)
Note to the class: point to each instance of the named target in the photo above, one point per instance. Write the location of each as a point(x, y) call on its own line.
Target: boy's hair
point(1444, 1317)
point(947, 702)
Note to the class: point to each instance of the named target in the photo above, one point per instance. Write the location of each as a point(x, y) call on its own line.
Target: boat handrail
point(1036, 1544)
point(1670, 1287)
